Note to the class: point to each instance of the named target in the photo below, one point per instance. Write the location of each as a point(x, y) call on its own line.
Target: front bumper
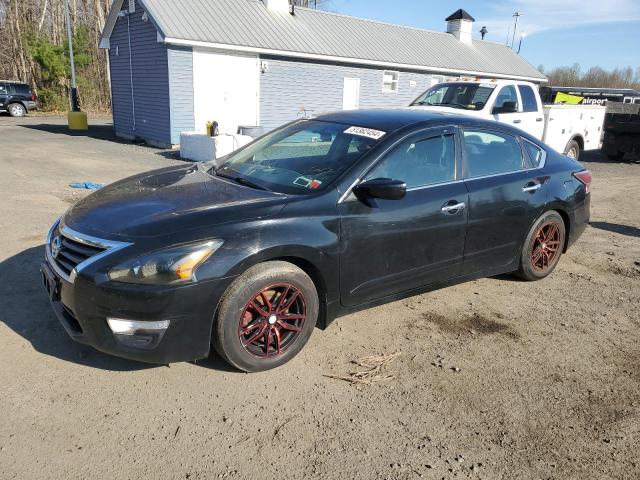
point(83, 306)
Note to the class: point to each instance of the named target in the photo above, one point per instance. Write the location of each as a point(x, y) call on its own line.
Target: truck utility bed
point(564, 122)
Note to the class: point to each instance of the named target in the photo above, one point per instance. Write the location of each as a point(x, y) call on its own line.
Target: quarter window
point(492, 153)
point(536, 154)
point(529, 102)
point(390, 80)
point(506, 94)
point(420, 162)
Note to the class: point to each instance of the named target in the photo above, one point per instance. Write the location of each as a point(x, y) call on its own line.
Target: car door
point(506, 195)
point(3, 96)
point(391, 246)
point(532, 115)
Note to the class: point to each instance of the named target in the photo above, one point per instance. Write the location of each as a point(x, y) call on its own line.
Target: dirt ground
point(495, 379)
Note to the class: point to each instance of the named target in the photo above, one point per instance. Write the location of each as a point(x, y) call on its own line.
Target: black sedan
point(316, 219)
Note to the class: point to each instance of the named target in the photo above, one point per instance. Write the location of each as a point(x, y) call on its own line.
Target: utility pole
point(77, 120)
point(75, 104)
point(515, 27)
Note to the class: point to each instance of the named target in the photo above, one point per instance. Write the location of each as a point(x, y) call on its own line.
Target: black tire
point(535, 250)
point(236, 315)
point(573, 150)
point(17, 110)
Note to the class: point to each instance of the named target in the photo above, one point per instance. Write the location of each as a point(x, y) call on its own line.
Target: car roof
point(393, 119)
point(389, 119)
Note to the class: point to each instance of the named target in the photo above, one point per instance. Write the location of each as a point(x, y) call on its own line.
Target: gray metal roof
point(248, 24)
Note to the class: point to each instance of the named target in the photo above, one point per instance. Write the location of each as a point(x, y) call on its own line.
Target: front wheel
point(543, 247)
point(572, 150)
point(17, 110)
point(266, 316)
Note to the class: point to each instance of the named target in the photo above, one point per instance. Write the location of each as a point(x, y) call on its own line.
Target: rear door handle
point(453, 208)
point(531, 187)
point(517, 121)
point(539, 119)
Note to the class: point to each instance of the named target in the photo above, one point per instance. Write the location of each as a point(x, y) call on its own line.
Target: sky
point(605, 33)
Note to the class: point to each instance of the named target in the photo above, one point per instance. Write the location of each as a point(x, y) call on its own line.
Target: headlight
point(165, 267)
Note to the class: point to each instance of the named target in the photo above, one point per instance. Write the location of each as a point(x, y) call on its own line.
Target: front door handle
point(452, 208)
point(517, 121)
point(531, 187)
point(539, 119)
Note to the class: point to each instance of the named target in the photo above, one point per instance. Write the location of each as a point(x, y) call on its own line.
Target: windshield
point(468, 96)
point(301, 158)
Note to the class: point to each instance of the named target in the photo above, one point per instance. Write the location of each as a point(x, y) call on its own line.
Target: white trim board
point(347, 60)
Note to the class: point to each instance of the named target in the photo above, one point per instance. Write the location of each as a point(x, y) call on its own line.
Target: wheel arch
point(316, 264)
point(579, 140)
point(18, 102)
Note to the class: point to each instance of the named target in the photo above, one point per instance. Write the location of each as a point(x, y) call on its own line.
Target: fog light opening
point(138, 334)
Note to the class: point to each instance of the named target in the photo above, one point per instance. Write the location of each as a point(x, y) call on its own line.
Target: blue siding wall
point(181, 91)
point(150, 81)
point(290, 85)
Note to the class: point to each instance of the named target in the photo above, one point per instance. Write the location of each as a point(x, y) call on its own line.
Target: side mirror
point(382, 188)
point(507, 107)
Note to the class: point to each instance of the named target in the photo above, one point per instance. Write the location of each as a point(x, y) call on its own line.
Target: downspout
point(133, 100)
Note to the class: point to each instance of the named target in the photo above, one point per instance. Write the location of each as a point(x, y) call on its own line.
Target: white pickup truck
point(569, 129)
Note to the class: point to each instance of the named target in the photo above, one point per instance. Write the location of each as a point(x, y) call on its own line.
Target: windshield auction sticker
point(365, 132)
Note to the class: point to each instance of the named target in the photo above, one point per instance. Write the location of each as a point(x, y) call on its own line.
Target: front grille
point(72, 253)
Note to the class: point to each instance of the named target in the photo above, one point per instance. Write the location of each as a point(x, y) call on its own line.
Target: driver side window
point(506, 94)
point(419, 162)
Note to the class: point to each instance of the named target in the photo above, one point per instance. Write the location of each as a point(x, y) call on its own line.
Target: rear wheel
point(572, 150)
point(266, 316)
point(543, 247)
point(17, 110)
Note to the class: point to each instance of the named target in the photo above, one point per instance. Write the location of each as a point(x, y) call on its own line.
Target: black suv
point(17, 98)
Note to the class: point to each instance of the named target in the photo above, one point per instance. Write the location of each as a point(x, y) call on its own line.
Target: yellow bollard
point(78, 121)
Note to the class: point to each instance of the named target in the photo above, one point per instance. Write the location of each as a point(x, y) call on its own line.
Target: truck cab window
point(505, 95)
point(529, 103)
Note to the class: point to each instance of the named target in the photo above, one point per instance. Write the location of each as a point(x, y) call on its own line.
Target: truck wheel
point(572, 150)
point(17, 110)
point(542, 248)
point(266, 316)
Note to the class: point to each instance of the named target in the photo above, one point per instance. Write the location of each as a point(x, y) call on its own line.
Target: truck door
point(532, 114)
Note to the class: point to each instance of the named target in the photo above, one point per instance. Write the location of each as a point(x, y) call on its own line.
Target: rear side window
point(529, 102)
point(492, 153)
point(23, 89)
point(535, 153)
point(420, 162)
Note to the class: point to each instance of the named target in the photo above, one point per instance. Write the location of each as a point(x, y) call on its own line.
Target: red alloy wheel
point(546, 247)
point(272, 320)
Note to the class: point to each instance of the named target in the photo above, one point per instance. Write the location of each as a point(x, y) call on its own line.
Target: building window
point(390, 81)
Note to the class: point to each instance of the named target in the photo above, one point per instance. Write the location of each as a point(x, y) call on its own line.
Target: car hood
point(168, 200)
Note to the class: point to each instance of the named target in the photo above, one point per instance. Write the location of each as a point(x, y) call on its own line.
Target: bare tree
point(594, 77)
